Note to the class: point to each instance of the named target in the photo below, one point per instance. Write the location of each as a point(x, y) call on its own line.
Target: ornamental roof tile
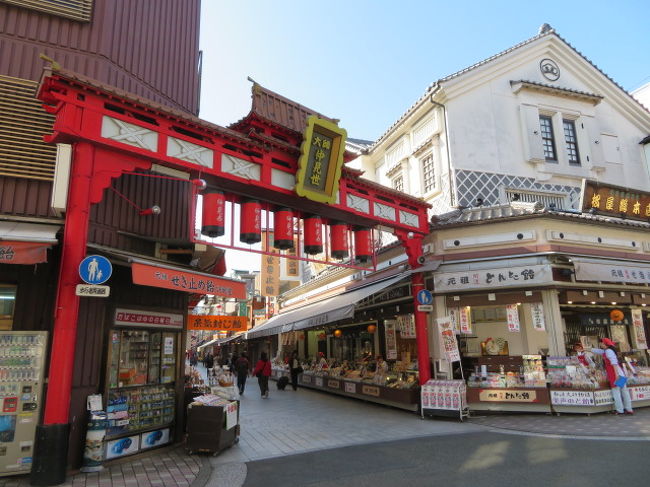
point(521, 210)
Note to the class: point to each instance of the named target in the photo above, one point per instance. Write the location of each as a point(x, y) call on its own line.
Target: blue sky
point(365, 62)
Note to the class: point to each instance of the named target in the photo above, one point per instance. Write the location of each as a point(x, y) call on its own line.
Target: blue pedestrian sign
point(95, 269)
point(425, 297)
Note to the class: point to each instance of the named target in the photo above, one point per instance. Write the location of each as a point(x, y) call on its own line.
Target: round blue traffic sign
point(95, 269)
point(425, 297)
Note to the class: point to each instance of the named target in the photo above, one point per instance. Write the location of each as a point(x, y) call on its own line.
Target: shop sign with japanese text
point(178, 280)
point(270, 269)
point(638, 336)
point(605, 199)
point(321, 158)
point(504, 395)
point(611, 272)
point(132, 317)
point(448, 339)
point(573, 398)
point(216, 322)
point(640, 393)
point(391, 339)
point(502, 277)
point(537, 315)
point(23, 252)
point(512, 313)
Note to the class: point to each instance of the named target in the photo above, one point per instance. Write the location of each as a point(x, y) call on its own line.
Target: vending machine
point(22, 360)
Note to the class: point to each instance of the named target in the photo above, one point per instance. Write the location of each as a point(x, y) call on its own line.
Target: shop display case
point(395, 384)
point(508, 383)
point(141, 392)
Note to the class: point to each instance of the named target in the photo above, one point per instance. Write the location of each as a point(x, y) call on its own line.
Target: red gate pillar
point(413, 245)
point(92, 171)
point(51, 449)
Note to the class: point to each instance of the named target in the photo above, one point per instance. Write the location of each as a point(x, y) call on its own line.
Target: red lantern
point(363, 244)
point(372, 328)
point(313, 235)
point(283, 229)
point(339, 240)
point(251, 222)
point(214, 214)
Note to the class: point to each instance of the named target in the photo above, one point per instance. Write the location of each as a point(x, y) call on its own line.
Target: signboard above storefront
point(611, 271)
point(215, 322)
point(532, 275)
point(154, 319)
point(148, 274)
point(321, 158)
point(605, 199)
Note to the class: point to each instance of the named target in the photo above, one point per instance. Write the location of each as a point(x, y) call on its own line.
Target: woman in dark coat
point(242, 367)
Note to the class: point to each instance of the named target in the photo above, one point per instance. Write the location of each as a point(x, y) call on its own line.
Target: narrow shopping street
point(277, 430)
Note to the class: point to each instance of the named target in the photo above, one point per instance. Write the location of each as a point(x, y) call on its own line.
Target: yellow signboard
point(321, 159)
point(214, 322)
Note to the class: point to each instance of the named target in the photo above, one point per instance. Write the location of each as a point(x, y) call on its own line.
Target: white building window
point(428, 173)
point(571, 142)
point(398, 182)
point(548, 138)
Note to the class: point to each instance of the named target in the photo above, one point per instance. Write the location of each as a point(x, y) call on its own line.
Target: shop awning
point(611, 271)
point(26, 243)
point(207, 344)
point(322, 312)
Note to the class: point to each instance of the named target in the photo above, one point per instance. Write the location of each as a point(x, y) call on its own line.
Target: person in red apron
point(614, 372)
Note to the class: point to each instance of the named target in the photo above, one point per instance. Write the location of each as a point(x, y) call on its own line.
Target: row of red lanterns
point(214, 218)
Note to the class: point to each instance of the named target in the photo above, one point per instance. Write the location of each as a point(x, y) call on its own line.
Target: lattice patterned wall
point(471, 185)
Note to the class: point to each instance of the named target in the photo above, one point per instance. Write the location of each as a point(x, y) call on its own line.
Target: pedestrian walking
point(242, 367)
point(263, 372)
point(294, 369)
point(615, 375)
point(208, 361)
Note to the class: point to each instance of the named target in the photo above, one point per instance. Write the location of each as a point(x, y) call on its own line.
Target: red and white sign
point(448, 339)
point(191, 282)
point(465, 319)
point(512, 312)
point(133, 317)
point(23, 252)
point(391, 340)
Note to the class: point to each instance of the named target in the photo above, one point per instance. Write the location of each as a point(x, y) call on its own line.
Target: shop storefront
point(368, 353)
point(142, 380)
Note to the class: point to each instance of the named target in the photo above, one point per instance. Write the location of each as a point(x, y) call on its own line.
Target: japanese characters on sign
point(605, 199)
point(611, 272)
point(216, 322)
point(270, 269)
point(512, 313)
point(502, 277)
point(448, 339)
point(319, 166)
point(23, 252)
point(178, 280)
point(465, 320)
point(406, 325)
point(638, 336)
point(132, 317)
point(391, 340)
point(508, 395)
point(572, 398)
point(537, 313)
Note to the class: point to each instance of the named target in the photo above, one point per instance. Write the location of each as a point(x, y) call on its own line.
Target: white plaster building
point(526, 124)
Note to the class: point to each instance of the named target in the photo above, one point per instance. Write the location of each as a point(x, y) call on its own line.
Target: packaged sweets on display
point(571, 373)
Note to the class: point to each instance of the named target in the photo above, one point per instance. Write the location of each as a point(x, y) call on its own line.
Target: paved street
point(467, 460)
